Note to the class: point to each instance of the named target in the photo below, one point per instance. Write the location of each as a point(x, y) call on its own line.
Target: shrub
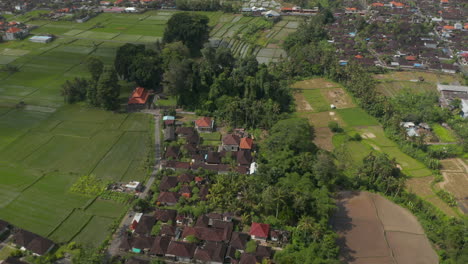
point(335, 127)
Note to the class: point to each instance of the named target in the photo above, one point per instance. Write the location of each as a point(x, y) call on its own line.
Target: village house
point(259, 231)
point(168, 182)
point(139, 99)
point(231, 142)
point(180, 251)
point(37, 244)
point(210, 253)
point(165, 215)
point(204, 125)
point(168, 198)
point(450, 92)
point(160, 246)
point(145, 225)
point(142, 244)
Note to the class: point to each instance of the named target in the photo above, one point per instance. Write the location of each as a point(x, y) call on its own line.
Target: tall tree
point(108, 89)
point(75, 90)
point(146, 69)
point(190, 28)
point(95, 67)
point(124, 58)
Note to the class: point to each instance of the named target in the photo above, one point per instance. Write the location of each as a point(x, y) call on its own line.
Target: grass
point(357, 117)
point(94, 232)
point(444, 134)
point(6, 251)
point(170, 101)
point(316, 100)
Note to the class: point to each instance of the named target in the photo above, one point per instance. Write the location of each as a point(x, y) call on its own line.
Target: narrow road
point(113, 248)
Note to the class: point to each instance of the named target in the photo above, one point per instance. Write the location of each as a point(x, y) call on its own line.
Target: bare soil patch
point(451, 165)
point(301, 103)
point(368, 135)
point(420, 186)
point(372, 229)
point(318, 83)
point(323, 138)
point(321, 119)
point(338, 97)
point(457, 184)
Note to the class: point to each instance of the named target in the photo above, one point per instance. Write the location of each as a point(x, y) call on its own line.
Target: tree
point(294, 134)
point(335, 127)
point(174, 52)
point(190, 28)
point(108, 89)
point(95, 67)
point(146, 69)
point(251, 246)
point(75, 90)
point(125, 56)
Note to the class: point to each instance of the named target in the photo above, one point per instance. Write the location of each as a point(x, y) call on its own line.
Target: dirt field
point(338, 97)
point(321, 119)
point(372, 229)
point(317, 83)
point(455, 174)
point(301, 103)
point(323, 138)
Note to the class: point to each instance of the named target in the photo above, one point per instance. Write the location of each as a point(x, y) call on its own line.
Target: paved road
point(113, 248)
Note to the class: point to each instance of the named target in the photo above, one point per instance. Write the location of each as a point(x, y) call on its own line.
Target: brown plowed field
point(455, 174)
point(372, 229)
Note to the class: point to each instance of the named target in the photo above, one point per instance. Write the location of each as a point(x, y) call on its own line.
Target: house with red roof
point(204, 125)
point(140, 99)
point(15, 31)
point(259, 231)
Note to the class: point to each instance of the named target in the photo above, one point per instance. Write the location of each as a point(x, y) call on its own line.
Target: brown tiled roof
point(213, 157)
point(186, 177)
point(248, 258)
point(177, 164)
point(126, 243)
point(211, 252)
point(208, 233)
point(167, 183)
point(145, 225)
point(3, 225)
point(160, 245)
point(168, 230)
point(185, 189)
point(239, 240)
point(193, 139)
point(32, 242)
point(202, 221)
point(142, 242)
point(168, 197)
point(164, 215)
point(172, 152)
point(244, 157)
point(264, 252)
point(181, 249)
point(231, 139)
point(185, 131)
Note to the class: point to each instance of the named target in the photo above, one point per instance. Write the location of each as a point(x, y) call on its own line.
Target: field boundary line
point(33, 183)
point(36, 149)
point(88, 204)
point(107, 152)
point(61, 223)
point(82, 228)
point(383, 228)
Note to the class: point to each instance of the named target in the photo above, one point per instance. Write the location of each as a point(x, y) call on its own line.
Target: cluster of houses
point(448, 93)
point(208, 239)
point(24, 240)
point(415, 130)
point(235, 153)
point(433, 50)
point(13, 30)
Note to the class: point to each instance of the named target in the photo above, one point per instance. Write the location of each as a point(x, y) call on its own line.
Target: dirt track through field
point(455, 173)
point(373, 229)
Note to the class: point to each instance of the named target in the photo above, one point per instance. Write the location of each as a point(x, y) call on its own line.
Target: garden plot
point(338, 97)
point(316, 83)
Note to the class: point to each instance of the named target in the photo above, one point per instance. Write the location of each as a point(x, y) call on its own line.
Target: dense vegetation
point(310, 55)
point(210, 80)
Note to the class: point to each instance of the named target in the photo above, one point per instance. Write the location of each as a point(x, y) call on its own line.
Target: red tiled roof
point(410, 58)
point(358, 56)
point(246, 143)
point(139, 96)
point(449, 27)
point(13, 30)
point(259, 230)
point(377, 4)
point(203, 122)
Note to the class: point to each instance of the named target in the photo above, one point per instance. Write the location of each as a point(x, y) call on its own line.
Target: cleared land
point(391, 84)
point(372, 229)
point(455, 172)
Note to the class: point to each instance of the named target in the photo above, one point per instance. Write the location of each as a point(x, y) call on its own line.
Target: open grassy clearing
point(390, 84)
point(444, 134)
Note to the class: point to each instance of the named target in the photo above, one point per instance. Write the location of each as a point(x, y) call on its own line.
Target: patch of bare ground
point(323, 138)
point(323, 118)
point(338, 97)
point(455, 174)
point(318, 83)
point(420, 186)
point(301, 103)
point(372, 229)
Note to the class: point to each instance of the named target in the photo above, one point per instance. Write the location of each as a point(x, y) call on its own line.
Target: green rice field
point(45, 146)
